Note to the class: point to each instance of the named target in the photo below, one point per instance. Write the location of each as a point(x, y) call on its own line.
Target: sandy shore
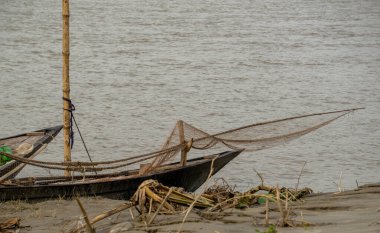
point(351, 211)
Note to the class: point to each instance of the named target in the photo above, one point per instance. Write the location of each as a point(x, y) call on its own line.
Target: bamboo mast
point(66, 82)
point(181, 135)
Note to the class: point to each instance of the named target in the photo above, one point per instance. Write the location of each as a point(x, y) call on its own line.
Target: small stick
point(157, 198)
point(259, 175)
point(131, 213)
point(236, 197)
point(287, 209)
point(137, 209)
point(105, 215)
point(280, 207)
point(89, 228)
point(286, 199)
point(299, 177)
point(150, 206)
point(160, 206)
point(266, 211)
point(198, 196)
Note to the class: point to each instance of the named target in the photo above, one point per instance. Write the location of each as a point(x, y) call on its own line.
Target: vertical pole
point(66, 81)
point(181, 134)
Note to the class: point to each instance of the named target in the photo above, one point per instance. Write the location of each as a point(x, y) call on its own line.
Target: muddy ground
point(350, 211)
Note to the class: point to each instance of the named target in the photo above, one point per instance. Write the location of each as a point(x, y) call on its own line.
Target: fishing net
point(184, 137)
point(252, 137)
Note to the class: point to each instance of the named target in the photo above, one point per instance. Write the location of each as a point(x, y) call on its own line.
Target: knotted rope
point(71, 111)
point(72, 119)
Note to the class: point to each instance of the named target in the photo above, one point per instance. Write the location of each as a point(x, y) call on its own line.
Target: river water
point(138, 66)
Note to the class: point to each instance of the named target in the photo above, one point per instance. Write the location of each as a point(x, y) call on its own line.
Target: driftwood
point(153, 197)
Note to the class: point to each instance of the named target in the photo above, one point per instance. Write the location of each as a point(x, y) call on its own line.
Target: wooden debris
point(105, 215)
point(153, 197)
point(89, 228)
point(11, 223)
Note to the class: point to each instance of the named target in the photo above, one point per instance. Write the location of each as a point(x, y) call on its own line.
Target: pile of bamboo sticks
point(153, 198)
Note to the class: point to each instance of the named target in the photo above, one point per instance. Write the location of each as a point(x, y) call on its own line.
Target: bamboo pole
point(105, 215)
point(66, 81)
point(89, 228)
point(181, 135)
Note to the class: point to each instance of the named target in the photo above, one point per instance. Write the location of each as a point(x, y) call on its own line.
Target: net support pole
point(181, 134)
point(66, 82)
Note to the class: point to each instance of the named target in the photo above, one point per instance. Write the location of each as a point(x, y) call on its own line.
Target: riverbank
point(350, 211)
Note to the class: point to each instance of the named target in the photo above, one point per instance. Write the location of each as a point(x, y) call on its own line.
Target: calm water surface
point(138, 66)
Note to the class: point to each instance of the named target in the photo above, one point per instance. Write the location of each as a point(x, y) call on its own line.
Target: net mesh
point(251, 137)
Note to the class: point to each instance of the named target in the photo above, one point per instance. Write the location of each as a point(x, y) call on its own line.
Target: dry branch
point(89, 228)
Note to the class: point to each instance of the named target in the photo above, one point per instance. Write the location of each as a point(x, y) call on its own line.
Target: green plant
point(271, 229)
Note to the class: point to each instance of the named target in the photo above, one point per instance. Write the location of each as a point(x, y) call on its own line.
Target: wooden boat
point(26, 145)
point(189, 174)
point(120, 185)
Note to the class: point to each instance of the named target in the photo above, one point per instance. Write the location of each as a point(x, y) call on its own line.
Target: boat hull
point(189, 177)
point(12, 168)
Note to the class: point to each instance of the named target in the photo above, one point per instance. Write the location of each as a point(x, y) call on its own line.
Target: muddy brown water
point(137, 67)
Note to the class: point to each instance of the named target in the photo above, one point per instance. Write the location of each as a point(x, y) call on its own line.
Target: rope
point(84, 144)
point(72, 119)
point(71, 111)
point(344, 112)
point(78, 166)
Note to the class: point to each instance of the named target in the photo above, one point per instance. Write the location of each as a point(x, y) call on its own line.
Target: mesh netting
point(251, 137)
point(184, 136)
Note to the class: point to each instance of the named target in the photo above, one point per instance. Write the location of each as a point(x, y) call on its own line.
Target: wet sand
point(350, 211)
